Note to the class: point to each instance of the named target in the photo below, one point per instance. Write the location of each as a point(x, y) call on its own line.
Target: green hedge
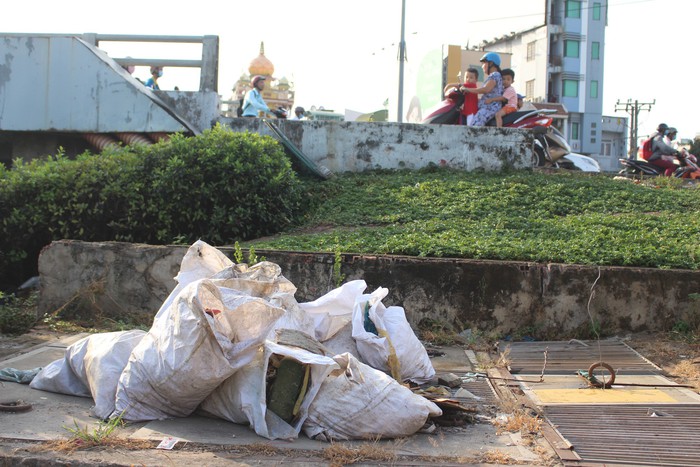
point(220, 187)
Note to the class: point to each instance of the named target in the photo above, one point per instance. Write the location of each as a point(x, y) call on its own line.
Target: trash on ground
point(231, 341)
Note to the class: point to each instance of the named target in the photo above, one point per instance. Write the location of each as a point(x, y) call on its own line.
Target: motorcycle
point(279, 112)
point(550, 145)
point(687, 167)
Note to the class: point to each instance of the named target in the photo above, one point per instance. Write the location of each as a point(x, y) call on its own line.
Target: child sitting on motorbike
point(493, 87)
point(471, 101)
point(509, 99)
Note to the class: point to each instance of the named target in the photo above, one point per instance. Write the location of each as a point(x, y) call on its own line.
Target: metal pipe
point(157, 137)
point(133, 138)
point(100, 141)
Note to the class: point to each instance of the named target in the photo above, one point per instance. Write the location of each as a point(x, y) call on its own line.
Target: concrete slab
point(454, 360)
point(52, 413)
point(470, 441)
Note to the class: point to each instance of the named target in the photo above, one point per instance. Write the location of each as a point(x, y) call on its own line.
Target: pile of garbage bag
point(231, 341)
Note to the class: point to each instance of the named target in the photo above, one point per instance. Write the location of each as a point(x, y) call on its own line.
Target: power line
point(633, 108)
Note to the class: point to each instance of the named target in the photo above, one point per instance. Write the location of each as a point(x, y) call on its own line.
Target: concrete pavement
point(207, 441)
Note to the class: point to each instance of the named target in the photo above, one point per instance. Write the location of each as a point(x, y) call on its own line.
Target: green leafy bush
point(220, 186)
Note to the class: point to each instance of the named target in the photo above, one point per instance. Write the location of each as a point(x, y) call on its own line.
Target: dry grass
point(494, 456)
point(78, 444)
point(674, 356)
point(339, 455)
point(519, 420)
point(259, 449)
point(689, 372)
point(438, 336)
point(504, 360)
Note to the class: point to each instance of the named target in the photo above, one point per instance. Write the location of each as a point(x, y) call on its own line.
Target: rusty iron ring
point(598, 384)
point(14, 406)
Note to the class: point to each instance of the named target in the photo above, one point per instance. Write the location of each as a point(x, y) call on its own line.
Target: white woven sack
point(242, 398)
point(360, 402)
point(202, 338)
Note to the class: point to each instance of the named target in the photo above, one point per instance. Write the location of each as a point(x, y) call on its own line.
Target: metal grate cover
point(565, 358)
point(667, 435)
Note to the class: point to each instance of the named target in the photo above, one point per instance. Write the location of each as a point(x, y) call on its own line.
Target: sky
point(344, 55)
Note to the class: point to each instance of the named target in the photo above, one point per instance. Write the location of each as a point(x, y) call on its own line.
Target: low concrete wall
point(117, 279)
point(359, 146)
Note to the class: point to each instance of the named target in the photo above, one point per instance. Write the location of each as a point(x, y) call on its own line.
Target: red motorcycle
point(688, 166)
point(550, 144)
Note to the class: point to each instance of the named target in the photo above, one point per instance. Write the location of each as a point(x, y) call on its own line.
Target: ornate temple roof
point(260, 65)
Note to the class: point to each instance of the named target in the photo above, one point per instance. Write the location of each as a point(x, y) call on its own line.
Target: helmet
point(491, 57)
point(662, 127)
point(670, 130)
point(255, 79)
point(299, 109)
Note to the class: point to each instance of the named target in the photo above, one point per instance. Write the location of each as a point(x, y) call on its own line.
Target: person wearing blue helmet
point(493, 87)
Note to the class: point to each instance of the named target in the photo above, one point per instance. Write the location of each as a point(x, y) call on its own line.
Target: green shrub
point(224, 186)
point(220, 187)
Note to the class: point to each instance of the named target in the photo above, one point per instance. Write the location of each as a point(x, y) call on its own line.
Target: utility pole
point(402, 58)
point(633, 108)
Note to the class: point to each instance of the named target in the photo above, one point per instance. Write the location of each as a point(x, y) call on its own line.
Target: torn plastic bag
point(201, 261)
point(18, 376)
point(202, 338)
point(334, 310)
point(394, 348)
point(360, 402)
point(242, 398)
point(262, 279)
point(265, 280)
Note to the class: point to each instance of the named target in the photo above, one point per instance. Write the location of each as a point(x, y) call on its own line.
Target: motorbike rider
point(670, 136)
point(493, 87)
point(253, 104)
point(663, 155)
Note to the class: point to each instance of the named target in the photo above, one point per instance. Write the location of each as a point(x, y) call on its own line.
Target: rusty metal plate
point(565, 358)
point(663, 435)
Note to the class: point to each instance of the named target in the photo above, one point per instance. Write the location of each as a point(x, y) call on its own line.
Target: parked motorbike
point(550, 145)
point(687, 167)
point(279, 112)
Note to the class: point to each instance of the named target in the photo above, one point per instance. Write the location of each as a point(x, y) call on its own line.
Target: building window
point(574, 131)
point(571, 48)
point(595, 51)
point(594, 89)
point(606, 148)
point(530, 89)
point(596, 11)
point(573, 8)
point(531, 51)
point(570, 88)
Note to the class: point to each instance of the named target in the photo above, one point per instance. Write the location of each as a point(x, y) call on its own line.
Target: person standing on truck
point(253, 104)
